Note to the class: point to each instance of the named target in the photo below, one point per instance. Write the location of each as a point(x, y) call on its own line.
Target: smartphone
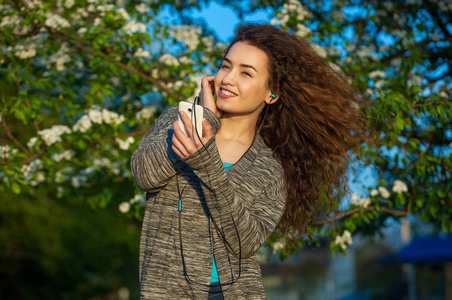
point(195, 113)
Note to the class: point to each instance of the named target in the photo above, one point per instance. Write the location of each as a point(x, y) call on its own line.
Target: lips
point(225, 93)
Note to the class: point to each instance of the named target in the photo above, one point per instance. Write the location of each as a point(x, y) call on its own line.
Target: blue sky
point(223, 19)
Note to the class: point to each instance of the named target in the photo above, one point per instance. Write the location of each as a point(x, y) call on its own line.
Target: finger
point(207, 86)
point(178, 147)
point(178, 153)
point(207, 129)
point(186, 144)
point(187, 123)
point(181, 136)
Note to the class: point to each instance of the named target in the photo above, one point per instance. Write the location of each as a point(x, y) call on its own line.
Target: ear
point(271, 98)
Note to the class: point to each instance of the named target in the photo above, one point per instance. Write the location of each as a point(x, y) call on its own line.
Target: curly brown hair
point(312, 127)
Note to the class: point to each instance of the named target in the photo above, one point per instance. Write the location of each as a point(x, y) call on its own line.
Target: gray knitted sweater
point(226, 214)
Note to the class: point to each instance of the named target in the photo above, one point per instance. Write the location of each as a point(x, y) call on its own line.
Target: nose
point(230, 78)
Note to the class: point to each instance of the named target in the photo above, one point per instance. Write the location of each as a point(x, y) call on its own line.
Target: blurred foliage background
point(81, 81)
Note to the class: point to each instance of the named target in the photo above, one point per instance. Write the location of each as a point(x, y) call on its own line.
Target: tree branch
point(11, 137)
point(398, 213)
point(67, 37)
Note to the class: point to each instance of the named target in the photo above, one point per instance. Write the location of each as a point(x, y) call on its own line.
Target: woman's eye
point(225, 67)
point(247, 74)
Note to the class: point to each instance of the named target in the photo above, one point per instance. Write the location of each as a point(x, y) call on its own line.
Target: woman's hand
point(184, 145)
point(206, 95)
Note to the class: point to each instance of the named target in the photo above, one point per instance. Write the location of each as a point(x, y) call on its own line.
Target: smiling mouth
point(227, 93)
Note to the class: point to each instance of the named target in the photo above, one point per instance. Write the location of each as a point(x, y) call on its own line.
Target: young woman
point(278, 124)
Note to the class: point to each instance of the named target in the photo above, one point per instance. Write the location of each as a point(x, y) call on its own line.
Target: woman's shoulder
point(266, 160)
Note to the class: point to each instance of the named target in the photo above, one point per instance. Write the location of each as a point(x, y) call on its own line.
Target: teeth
point(227, 93)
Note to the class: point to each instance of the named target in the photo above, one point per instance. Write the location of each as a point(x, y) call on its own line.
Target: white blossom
point(355, 198)
point(142, 53)
point(319, 50)
point(188, 35)
point(62, 175)
point(61, 57)
point(278, 246)
point(60, 191)
point(360, 202)
point(82, 30)
point(109, 117)
point(33, 3)
point(415, 80)
point(443, 94)
point(6, 151)
point(302, 31)
point(78, 181)
point(97, 21)
point(335, 67)
point(66, 154)
point(124, 207)
point(139, 199)
point(365, 202)
point(374, 193)
point(399, 187)
point(32, 142)
point(105, 8)
point(379, 84)
point(141, 8)
point(56, 21)
point(208, 41)
point(292, 8)
point(146, 112)
point(186, 61)
point(115, 81)
point(25, 51)
point(124, 145)
point(82, 124)
point(383, 192)
point(101, 162)
point(377, 73)
point(123, 13)
point(30, 170)
point(69, 3)
point(95, 115)
point(39, 178)
point(81, 12)
point(133, 26)
point(169, 60)
point(345, 238)
point(53, 134)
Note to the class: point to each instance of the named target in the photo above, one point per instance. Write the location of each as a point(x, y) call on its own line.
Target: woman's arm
point(153, 164)
point(232, 219)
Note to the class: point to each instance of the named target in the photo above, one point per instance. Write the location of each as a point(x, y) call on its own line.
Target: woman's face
point(241, 83)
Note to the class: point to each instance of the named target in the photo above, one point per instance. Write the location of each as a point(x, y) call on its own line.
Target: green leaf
point(81, 144)
point(16, 188)
point(399, 124)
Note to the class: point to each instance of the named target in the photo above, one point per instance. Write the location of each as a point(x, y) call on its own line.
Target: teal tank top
point(214, 278)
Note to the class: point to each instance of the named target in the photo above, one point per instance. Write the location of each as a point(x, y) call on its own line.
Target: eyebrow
point(242, 65)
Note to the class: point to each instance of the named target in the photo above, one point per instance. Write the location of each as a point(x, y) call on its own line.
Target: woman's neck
point(237, 128)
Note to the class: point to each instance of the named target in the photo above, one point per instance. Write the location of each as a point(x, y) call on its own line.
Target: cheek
point(216, 82)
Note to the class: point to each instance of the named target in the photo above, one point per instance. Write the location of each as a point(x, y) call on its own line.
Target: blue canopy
point(427, 250)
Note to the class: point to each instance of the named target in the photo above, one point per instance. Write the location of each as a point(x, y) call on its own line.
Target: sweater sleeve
point(244, 229)
point(154, 163)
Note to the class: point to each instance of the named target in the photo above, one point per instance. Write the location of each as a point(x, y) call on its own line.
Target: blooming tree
point(83, 80)
point(397, 55)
